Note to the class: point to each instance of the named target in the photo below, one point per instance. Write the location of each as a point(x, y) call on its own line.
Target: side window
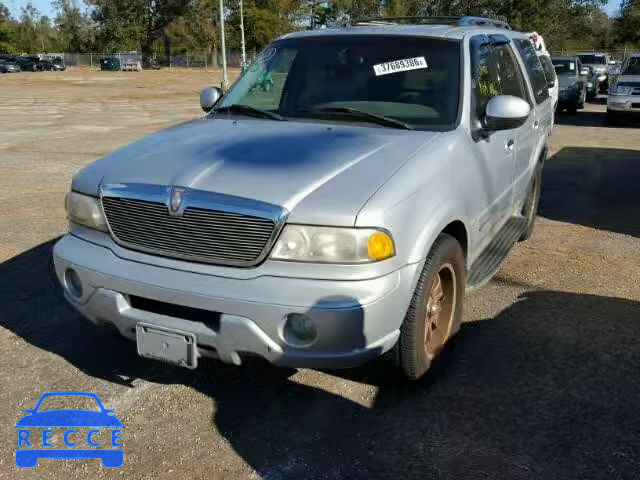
point(484, 76)
point(511, 81)
point(534, 69)
point(549, 71)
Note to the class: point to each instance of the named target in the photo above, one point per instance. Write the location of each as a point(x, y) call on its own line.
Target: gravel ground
point(541, 383)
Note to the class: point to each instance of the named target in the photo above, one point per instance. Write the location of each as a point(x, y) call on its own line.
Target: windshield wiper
point(250, 111)
point(360, 114)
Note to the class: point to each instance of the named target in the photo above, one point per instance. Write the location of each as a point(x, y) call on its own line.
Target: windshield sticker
point(403, 65)
point(572, 66)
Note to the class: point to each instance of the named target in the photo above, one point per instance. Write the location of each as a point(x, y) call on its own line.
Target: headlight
point(619, 90)
point(85, 210)
point(304, 243)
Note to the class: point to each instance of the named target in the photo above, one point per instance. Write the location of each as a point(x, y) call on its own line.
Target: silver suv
point(333, 205)
point(624, 95)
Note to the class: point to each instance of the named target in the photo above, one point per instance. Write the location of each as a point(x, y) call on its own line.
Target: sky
point(45, 6)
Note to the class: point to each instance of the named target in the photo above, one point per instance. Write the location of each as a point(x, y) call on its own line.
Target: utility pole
point(244, 53)
point(225, 80)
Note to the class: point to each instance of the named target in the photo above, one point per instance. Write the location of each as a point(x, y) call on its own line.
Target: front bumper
point(624, 103)
point(356, 320)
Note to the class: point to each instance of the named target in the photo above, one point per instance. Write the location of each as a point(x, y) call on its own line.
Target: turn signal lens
point(380, 246)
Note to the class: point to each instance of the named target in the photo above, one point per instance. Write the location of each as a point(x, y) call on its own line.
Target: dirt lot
point(542, 382)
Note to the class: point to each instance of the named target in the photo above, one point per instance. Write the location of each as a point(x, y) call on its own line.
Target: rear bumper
point(355, 320)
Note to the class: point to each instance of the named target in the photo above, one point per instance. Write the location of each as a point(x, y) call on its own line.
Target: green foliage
point(628, 24)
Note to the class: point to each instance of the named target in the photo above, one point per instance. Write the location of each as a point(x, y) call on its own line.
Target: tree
point(7, 30)
point(74, 27)
point(628, 24)
point(33, 32)
point(133, 23)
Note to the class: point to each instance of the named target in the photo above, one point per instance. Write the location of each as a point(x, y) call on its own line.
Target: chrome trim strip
point(201, 199)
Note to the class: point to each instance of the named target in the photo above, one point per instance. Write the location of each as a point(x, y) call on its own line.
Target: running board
point(496, 253)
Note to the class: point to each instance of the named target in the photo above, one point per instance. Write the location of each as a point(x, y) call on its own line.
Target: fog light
point(299, 329)
point(73, 283)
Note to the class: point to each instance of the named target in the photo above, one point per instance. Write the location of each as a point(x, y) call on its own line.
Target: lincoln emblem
point(175, 201)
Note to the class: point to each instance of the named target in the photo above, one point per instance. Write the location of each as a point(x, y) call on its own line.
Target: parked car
point(9, 67)
point(52, 64)
point(328, 225)
point(110, 64)
point(28, 63)
point(599, 63)
point(624, 95)
point(572, 80)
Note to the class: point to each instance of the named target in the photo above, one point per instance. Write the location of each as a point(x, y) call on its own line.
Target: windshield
point(415, 81)
point(632, 67)
point(564, 67)
point(593, 59)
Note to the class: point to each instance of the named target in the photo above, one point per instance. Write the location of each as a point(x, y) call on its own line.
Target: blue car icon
point(28, 452)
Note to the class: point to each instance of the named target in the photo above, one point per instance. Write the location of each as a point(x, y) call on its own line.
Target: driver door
point(494, 163)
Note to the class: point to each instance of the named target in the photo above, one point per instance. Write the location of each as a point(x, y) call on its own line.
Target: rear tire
point(435, 311)
point(530, 206)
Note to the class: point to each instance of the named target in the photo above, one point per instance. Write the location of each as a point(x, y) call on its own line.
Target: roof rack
point(466, 21)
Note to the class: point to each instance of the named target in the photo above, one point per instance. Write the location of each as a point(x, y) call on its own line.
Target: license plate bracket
point(167, 345)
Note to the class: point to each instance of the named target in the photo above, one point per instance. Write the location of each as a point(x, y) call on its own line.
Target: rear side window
point(484, 76)
point(549, 71)
point(511, 81)
point(534, 69)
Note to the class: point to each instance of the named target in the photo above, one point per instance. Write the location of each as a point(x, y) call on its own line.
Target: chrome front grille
point(199, 234)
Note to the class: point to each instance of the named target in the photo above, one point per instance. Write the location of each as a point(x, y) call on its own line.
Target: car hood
point(69, 418)
point(628, 78)
point(314, 170)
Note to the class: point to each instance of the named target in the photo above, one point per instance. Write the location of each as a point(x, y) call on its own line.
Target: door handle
point(509, 146)
point(536, 125)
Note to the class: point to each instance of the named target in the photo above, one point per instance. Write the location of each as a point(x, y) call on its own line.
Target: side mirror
point(584, 72)
point(612, 62)
point(209, 97)
point(505, 112)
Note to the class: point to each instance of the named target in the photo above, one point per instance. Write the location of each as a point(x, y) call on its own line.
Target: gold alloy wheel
point(441, 305)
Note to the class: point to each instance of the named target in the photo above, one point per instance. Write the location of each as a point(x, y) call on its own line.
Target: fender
point(439, 219)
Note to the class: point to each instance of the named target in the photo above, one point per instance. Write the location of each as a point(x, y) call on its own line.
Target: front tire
point(435, 311)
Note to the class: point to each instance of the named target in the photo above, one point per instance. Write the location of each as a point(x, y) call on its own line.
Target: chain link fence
point(197, 60)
